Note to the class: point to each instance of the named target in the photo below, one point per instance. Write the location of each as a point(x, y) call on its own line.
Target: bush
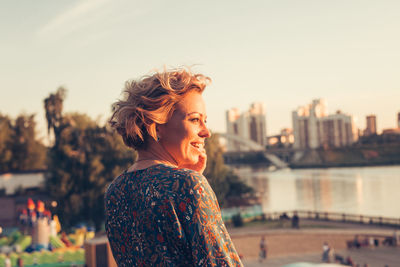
point(237, 220)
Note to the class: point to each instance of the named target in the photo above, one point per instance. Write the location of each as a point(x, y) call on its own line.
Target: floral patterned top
point(165, 216)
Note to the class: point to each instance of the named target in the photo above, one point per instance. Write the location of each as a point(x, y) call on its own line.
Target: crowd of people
point(329, 256)
point(295, 219)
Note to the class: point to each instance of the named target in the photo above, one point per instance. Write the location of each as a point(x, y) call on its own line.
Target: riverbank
point(385, 154)
point(354, 156)
point(341, 165)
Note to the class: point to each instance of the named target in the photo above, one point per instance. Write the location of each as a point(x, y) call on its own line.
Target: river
point(373, 191)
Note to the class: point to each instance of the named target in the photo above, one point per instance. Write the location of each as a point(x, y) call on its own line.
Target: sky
point(281, 53)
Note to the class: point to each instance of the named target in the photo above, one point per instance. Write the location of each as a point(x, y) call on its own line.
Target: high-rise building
point(305, 130)
point(313, 127)
point(398, 120)
point(248, 125)
point(257, 124)
point(371, 125)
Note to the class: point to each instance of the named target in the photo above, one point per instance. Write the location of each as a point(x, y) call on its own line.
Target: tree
point(226, 184)
point(53, 106)
point(84, 159)
point(27, 152)
point(20, 149)
point(5, 140)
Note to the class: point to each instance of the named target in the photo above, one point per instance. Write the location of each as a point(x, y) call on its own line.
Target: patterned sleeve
point(200, 216)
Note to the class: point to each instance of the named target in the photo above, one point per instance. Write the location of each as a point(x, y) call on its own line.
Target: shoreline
point(319, 165)
point(342, 165)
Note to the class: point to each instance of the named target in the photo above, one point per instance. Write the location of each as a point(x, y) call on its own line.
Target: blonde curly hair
point(151, 100)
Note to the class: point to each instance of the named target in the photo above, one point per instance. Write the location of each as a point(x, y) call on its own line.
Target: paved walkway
point(286, 245)
point(378, 257)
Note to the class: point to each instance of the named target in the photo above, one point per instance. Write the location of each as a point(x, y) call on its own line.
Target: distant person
point(339, 259)
point(263, 249)
point(365, 242)
point(396, 238)
point(295, 220)
point(371, 242)
point(349, 261)
point(325, 252)
point(284, 216)
point(161, 211)
point(356, 242)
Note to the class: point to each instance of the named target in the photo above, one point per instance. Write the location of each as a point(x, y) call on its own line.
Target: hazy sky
point(282, 53)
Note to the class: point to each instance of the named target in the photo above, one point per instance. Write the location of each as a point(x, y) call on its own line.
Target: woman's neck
point(154, 155)
point(141, 164)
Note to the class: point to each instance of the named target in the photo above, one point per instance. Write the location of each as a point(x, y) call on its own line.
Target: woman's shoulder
point(182, 174)
point(161, 176)
point(114, 186)
point(179, 180)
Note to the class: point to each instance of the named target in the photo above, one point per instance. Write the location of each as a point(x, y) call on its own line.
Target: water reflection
point(367, 190)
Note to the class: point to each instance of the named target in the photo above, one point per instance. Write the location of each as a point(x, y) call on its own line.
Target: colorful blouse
point(165, 216)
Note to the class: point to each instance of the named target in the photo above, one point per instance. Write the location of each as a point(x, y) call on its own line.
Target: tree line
point(20, 149)
point(84, 157)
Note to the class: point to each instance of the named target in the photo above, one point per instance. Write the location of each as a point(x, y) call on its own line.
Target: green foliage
point(226, 184)
point(6, 134)
point(56, 242)
point(4, 241)
point(84, 159)
point(20, 148)
point(53, 106)
point(237, 220)
point(14, 236)
point(23, 242)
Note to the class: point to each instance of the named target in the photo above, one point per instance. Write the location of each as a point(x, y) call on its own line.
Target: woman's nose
point(205, 132)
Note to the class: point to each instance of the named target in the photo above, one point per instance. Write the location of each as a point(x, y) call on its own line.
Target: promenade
point(379, 257)
point(287, 245)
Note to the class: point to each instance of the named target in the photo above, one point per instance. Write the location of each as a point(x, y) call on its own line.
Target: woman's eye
point(195, 119)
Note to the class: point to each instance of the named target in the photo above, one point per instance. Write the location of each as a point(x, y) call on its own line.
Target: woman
point(162, 211)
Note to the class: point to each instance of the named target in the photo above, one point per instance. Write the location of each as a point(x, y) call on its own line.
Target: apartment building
point(314, 128)
point(249, 125)
point(371, 125)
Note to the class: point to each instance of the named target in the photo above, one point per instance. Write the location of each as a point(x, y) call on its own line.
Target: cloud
point(74, 18)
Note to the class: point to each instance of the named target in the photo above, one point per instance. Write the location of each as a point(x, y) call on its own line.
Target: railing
point(337, 217)
point(249, 214)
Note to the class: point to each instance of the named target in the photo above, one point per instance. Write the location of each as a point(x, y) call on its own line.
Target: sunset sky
point(282, 53)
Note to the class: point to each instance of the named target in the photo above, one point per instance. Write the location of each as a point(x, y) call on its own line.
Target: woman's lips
point(199, 146)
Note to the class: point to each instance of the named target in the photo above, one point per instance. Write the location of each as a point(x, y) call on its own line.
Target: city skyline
point(367, 118)
point(283, 54)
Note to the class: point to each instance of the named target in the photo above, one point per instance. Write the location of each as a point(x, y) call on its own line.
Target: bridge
point(253, 146)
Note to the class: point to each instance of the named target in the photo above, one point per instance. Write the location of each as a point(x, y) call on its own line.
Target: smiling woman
point(162, 211)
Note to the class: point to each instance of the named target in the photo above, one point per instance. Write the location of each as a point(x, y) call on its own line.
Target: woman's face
point(184, 134)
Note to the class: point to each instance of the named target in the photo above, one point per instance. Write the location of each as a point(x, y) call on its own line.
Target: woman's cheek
point(193, 155)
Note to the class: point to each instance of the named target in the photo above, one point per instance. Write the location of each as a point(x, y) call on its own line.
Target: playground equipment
point(40, 239)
